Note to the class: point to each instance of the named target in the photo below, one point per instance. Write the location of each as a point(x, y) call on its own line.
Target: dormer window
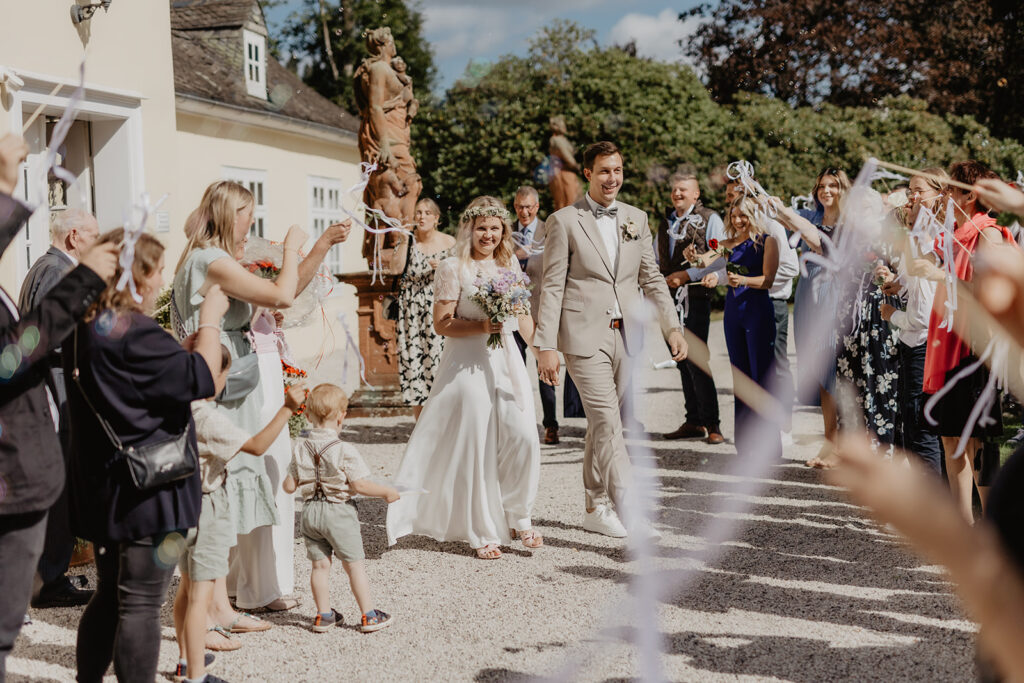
point(255, 64)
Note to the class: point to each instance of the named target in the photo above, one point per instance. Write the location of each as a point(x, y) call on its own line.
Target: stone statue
point(386, 106)
point(563, 181)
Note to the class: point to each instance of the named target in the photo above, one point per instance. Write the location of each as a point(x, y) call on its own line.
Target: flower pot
point(82, 554)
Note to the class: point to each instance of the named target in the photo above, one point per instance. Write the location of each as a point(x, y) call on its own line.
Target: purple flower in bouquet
point(504, 296)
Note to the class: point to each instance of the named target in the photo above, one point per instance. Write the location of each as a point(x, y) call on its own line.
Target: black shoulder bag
point(151, 465)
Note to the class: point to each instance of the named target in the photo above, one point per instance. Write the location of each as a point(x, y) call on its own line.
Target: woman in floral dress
point(419, 346)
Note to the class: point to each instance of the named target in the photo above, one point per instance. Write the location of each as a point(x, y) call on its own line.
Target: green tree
point(324, 41)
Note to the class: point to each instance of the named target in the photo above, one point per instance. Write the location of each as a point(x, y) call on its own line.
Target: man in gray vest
point(699, 391)
point(72, 232)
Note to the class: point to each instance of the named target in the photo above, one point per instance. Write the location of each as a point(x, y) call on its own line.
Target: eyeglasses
point(524, 207)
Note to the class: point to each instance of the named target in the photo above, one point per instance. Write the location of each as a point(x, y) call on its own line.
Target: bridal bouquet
point(504, 296)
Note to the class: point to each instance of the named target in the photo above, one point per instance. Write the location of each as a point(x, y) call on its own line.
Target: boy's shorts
point(206, 551)
point(331, 527)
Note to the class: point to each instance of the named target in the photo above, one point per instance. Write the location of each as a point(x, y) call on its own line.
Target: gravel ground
point(807, 590)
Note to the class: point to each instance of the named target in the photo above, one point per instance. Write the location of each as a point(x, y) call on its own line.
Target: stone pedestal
point(378, 344)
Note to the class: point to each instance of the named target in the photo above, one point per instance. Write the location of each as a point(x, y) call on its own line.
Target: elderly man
point(72, 232)
point(529, 232)
point(699, 392)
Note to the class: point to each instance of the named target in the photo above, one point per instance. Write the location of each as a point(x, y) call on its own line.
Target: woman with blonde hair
point(220, 228)
point(749, 322)
point(474, 456)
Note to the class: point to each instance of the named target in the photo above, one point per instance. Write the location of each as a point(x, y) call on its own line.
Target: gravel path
point(807, 590)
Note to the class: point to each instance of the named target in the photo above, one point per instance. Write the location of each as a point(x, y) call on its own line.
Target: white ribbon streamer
point(135, 219)
point(60, 133)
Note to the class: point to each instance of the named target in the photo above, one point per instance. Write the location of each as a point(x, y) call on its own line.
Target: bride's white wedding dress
point(475, 450)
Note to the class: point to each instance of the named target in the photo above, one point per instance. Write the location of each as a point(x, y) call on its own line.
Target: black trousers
point(60, 542)
point(122, 621)
point(699, 390)
point(572, 405)
point(21, 542)
point(918, 436)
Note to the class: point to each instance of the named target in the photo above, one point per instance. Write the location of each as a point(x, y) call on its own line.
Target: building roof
point(207, 44)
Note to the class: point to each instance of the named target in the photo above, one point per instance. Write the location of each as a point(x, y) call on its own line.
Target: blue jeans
point(918, 436)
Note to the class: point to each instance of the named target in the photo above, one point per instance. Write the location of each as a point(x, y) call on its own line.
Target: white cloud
point(657, 36)
point(465, 29)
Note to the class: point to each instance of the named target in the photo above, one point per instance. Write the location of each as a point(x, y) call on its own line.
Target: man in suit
point(530, 234)
point(72, 232)
point(699, 392)
point(31, 467)
point(598, 258)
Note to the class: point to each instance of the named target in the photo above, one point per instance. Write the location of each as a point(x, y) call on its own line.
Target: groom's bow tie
point(611, 211)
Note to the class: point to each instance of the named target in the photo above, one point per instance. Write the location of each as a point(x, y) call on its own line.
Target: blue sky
point(464, 30)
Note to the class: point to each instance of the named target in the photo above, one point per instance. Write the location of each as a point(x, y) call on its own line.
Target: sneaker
point(375, 620)
point(181, 670)
point(322, 624)
point(603, 520)
point(1017, 439)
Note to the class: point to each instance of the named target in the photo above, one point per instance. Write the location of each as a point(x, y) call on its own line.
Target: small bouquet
point(297, 423)
point(504, 296)
point(725, 252)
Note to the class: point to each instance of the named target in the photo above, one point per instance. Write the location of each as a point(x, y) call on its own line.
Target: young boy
point(329, 472)
point(206, 553)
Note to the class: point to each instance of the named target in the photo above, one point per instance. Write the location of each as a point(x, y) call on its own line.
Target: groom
point(597, 259)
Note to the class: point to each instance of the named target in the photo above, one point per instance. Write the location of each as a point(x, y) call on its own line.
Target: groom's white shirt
point(608, 225)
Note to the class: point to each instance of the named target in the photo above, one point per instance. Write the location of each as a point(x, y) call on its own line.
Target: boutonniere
point(629, 231)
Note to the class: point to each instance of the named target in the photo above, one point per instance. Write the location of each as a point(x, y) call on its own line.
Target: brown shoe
point(686, 431)
point(551, 435)
point(715, 437)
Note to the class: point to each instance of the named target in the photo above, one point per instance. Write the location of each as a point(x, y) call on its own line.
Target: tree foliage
point(328, 65)
point(490, 134)
point(960, 56)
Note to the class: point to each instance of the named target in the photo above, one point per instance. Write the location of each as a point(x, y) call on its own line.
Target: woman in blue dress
point(750, 317)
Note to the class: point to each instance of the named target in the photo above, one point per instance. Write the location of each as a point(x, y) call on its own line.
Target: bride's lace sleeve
point(446, 281)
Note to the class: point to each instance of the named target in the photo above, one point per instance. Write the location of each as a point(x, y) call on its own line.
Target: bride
point(474, 455)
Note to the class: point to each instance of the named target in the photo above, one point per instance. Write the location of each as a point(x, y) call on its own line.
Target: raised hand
point(337, 232)
point(13, 151)
point(1000, 196)
point(295, 396)
point(295, 238)
point(102, 259)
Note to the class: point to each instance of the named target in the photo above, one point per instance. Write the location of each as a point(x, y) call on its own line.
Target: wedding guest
point(205, 557)
point(583, 304)
point(815, 297)
point(29, 449)
point(948, 353)
point(699, 392)
point(780, 292)
point(476, 449)
point(212, 256)
point(140, 382)
point(529, 231)
point(749, 320)
point(917, 294)
point(72, 232)
point(328, 472)
point(415, 260)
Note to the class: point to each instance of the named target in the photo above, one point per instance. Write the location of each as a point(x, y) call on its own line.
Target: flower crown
point(483, 210)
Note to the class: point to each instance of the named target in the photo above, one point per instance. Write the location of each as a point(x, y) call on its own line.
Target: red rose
point(713, 243)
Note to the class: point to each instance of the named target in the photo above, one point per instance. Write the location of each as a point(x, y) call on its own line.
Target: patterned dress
point(419, 347)
point(867, 358)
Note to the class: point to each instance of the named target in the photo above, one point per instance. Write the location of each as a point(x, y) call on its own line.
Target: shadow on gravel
point(377, 434)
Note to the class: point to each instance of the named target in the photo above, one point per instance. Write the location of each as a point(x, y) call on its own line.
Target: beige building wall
point(128, 70)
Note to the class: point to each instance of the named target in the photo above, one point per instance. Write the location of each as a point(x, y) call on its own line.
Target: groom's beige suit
point(591, 310)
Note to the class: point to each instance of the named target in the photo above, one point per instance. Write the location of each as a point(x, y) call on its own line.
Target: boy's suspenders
point(318, 489)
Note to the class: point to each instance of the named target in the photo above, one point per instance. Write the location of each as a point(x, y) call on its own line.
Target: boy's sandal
point(529, 537)
point(219, 640)
point(488, 552)
point(260, 625)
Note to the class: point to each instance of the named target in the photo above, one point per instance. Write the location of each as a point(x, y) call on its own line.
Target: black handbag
point(153, 464)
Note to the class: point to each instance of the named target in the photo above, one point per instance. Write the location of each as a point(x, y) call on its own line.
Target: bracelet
point(210, 325)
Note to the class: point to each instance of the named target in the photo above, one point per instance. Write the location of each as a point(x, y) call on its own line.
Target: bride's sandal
point(488, 552)
point(530, 538)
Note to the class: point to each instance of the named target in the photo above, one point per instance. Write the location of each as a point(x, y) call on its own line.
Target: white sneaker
point(603, 520)
point(645, 530)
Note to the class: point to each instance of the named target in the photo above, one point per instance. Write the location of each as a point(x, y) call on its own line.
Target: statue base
point(378, 344)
